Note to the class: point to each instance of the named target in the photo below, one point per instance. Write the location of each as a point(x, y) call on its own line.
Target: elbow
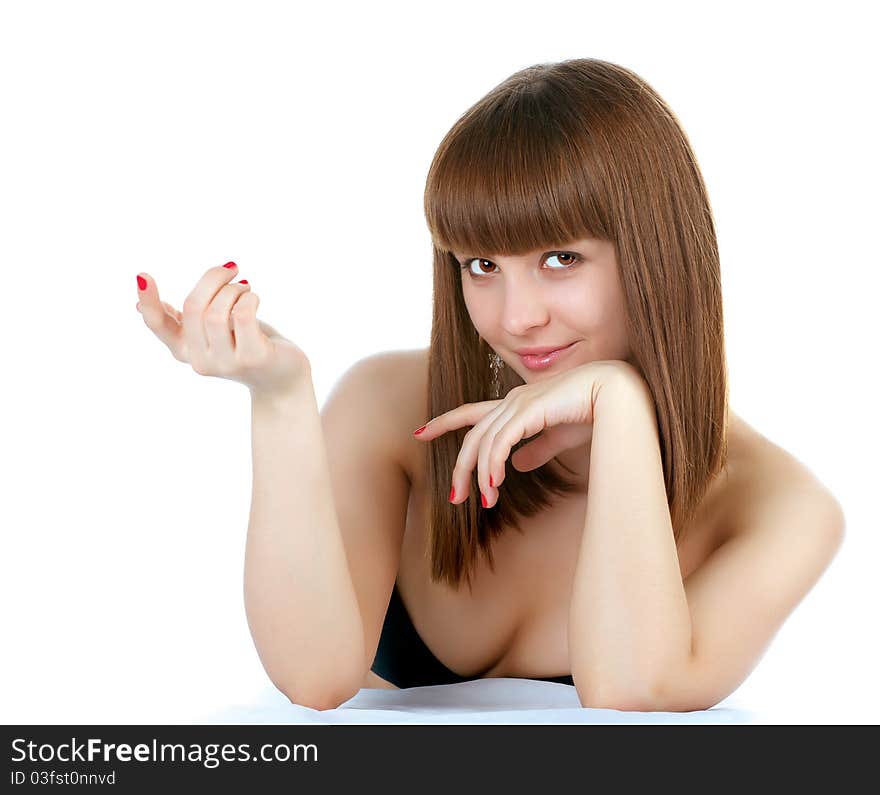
point(318, 699)
point(625, 704)
point(621, 702)
point(319, 703)
point(625, 699)
point(633, 700)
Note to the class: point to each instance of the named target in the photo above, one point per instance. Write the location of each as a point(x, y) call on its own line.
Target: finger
point(154, 312)
point(492, 454)
point(461, 417)
point(538, 451)
point(218, 330)
point(172, 311)
point(250, 344)
point(470, 447)
point(528, 423)
point(197, 302)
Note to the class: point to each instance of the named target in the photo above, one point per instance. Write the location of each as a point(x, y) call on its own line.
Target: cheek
point(585, 312)
point(481, 313)
point(598, 303)
point(600, 320)
point(612, 332)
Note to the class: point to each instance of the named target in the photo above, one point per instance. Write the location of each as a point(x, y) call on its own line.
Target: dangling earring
point(495, 365)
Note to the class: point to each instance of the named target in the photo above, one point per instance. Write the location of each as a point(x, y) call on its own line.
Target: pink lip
point(539, 351)
point(544, 359)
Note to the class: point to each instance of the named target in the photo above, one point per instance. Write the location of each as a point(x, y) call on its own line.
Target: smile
point(545, 360)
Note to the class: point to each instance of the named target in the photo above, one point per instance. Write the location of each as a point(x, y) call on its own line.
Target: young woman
point(593, 515)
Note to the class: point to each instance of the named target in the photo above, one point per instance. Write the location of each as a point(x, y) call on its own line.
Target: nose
point(523, 306)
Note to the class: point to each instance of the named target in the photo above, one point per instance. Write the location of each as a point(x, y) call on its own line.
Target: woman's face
point(548, 299)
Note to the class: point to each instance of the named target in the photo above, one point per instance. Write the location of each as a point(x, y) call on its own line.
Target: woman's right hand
point(218, 334)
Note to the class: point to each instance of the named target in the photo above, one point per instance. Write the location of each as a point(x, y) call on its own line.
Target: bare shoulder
point(398, 380)
point(771, 488)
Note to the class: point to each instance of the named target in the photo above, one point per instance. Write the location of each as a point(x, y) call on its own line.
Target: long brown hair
point(559, 152)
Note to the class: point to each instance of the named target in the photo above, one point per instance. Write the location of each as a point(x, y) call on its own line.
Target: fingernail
point(242, 281)
point(452, 494)
point(229, 265)
point(142, 283)
point(415, 433)
point(483, 499)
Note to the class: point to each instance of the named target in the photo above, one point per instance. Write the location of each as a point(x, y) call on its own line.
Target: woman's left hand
point(561, 406)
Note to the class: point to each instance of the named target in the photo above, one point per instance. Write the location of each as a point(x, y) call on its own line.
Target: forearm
point(629, 623)
point(300, 601)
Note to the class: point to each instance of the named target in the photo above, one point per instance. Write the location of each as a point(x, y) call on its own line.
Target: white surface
point(480, 701)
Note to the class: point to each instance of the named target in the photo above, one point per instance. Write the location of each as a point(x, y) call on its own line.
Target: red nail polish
point(229, 265)
point(242, 281)
point(142, 283)
point(420, 430)
point(483, 499)
point(491, 482)
point(452, 494)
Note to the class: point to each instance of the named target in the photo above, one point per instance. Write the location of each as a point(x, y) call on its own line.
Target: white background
point(170, 137)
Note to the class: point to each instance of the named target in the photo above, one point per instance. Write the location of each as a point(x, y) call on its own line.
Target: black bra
point(403, 659)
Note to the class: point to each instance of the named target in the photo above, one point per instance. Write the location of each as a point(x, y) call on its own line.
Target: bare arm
point(640, 637)
point(629, 624)
point(301, 605)
point(329, 495)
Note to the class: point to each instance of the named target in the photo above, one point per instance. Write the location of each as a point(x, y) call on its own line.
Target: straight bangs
point(512, 176)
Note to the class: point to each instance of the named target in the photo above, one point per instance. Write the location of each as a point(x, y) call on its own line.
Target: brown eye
point(467, 266)
point(567, 259)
